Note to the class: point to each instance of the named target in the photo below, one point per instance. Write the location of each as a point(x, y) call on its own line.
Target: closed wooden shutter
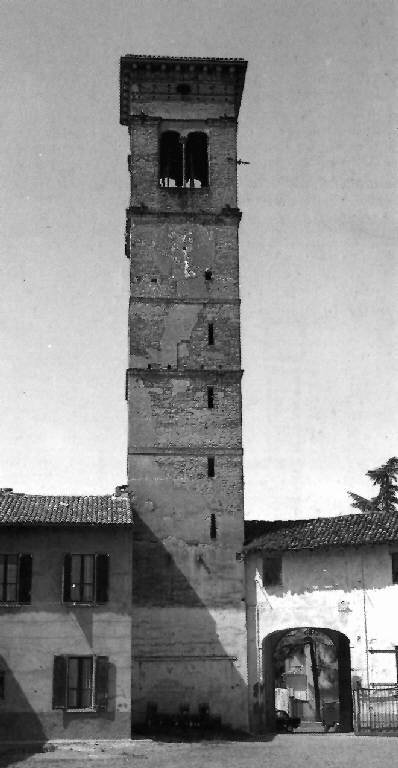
point(25, 579)
point(101, 578)
point(101, 683)
point(67, 578)
point(59, 682)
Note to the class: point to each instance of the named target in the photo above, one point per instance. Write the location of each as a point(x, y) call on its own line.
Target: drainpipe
point(365, 621)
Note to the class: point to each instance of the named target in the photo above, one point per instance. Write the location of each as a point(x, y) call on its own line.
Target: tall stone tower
point(183, 387)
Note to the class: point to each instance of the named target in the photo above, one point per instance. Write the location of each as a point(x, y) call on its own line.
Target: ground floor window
point(80, 683)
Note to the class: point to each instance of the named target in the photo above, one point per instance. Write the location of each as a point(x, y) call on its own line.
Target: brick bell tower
point(183, 388)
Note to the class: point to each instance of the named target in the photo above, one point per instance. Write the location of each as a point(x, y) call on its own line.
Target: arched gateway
point(308, 668)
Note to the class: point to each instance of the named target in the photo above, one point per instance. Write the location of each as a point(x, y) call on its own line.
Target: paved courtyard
point(282, 751)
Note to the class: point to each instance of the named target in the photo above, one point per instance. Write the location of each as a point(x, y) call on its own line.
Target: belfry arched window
point(171, 160)
point(184, 160)
point(196, 160)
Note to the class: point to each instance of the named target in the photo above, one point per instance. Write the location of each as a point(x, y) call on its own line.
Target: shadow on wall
point(22, 727)
point(183, 673)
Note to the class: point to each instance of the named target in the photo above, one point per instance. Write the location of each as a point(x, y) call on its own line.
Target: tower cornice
point(154, 79)
point(200, 373)
point(205, 217)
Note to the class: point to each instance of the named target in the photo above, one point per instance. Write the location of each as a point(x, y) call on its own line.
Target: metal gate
point(376, 708)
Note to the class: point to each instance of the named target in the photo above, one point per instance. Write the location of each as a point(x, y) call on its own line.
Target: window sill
point(14, 605)
point(78, 604)
point(184, 189)
point(87, 710)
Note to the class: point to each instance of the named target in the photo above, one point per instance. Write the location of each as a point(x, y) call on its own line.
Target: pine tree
point(386, 500)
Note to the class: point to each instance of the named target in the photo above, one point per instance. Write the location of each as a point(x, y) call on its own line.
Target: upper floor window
point(15, 578)
point(272, 569)
point(184, 160)
point(86, 578)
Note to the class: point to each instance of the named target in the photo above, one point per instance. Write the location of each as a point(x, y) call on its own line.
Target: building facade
point(326, 586)
point(184, 386)
point(65, 617)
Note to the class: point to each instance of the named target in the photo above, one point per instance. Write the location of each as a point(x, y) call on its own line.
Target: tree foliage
point(386, 478)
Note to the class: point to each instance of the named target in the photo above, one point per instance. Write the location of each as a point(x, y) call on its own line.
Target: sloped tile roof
point(23, 509)
point(343, 531)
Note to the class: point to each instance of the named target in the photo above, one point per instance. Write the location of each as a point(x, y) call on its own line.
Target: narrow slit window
point(213, 526)
point(210, 333)
point(210, 397)
point(210, 466)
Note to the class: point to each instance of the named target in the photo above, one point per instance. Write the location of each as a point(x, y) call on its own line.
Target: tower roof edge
point(148, 79)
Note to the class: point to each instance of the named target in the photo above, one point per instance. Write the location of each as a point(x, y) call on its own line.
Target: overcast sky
point(319, 274)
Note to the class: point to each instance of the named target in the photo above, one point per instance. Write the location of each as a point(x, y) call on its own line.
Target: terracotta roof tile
point(23, 509)
point(342, 531)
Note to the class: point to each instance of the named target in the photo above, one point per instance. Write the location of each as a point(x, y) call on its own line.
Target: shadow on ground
point(183, 735)
point(15, 755)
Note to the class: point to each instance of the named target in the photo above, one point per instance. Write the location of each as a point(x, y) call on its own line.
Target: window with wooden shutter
point(272, 569)
point(86, 578)
point(80, 683)
point(15, 578)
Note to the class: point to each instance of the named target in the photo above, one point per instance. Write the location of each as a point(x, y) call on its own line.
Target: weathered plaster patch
point(178, 326)
point(179, 385)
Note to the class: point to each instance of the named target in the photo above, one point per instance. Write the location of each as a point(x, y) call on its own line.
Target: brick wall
point(173, 410)
point(145, 188)
point(189, 633)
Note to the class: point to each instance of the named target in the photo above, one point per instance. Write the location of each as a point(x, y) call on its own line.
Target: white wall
point(349, 590)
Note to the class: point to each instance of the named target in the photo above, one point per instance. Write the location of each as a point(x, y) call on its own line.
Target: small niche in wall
point(208, 274)
point(213, 526)
point(210, 466)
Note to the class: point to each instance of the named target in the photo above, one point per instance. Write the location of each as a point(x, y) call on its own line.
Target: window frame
point(79, 689)
point(100, 579)
point(181, 160)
